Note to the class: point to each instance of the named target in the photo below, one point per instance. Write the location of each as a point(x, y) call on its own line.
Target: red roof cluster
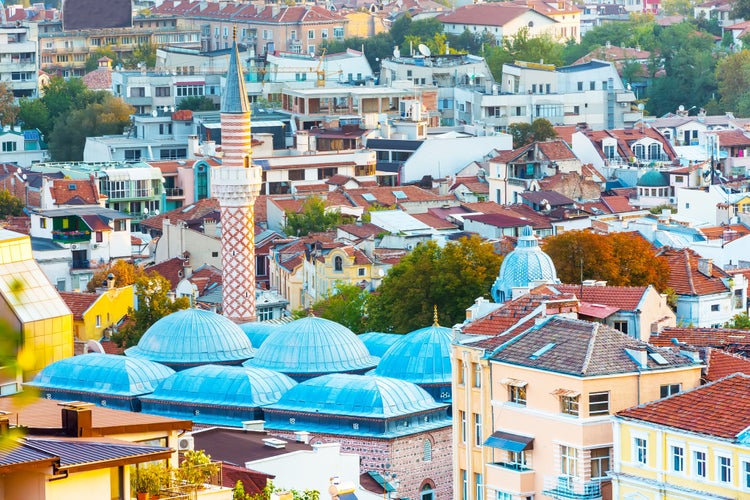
point(684, 277)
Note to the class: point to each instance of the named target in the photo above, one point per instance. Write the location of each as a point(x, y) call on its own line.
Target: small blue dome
point(521, 267)
point(223, 385)
point(347, 394)
point(258, 332)
point(422, 357)
point(108, 374)
point(377, 343)
point(313, 346)
point(193, 337)
point(653, 178)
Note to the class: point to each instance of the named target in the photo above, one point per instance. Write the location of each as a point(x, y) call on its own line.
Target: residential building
point(554, 387)
point(285, 270)
point(32, 307)
point(328, 265)
point(95, 315)
point(567, 17)
point(19, 62)
point(691, 445)
point(707, 296)
point(497, 20)
point(721, 10)
point(22, 147)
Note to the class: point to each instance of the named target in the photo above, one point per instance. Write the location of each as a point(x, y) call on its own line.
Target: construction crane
point(321, 72)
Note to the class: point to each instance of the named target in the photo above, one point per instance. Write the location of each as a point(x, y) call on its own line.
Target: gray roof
point(234, 98)
point(585, 349)
point(74, 453)
point(84, 210)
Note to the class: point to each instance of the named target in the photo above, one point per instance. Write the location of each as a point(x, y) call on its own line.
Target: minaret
point(236, 184)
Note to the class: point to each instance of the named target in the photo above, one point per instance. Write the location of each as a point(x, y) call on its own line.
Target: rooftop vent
point(275, 443)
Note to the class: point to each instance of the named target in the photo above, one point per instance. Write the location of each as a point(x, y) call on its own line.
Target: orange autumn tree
point(620, 259)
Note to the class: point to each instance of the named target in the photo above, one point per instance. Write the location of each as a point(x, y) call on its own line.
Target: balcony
point(174, 192)
point(63, 236)
point(513, 478)
point(571, 488)
point(80, 264)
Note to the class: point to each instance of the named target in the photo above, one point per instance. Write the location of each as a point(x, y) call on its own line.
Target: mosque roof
point(523, 266)
point(377, 342)
point(312, 346)
point(223, 385)
point(653, 178)
point(356, 395)
point(422, 357)
point(234, 97)
point(103, 374)
point(191, 337)
point(258, 331)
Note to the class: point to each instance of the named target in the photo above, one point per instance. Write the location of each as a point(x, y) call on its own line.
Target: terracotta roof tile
point(684, 276)
point(721, 364)
point(361, 230)
point(726, 233)
point(701, 337)
point(488, 14)
point(617, 204)
point(623, 297)
point(537, 220)
point(735, 137)
point(172, 269)
point(74, 192)
point(473, 184)
point(194, 211)
point(434, 221)
point(720, 409)
point(79, 302)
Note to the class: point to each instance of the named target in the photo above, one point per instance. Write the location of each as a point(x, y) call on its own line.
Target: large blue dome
point(224, 385)
point(422, 357)
point(377, 343)
point(356, 395)
point(102, 374)
point(523, 266)
point(193, 337)
point(258, 332)
point(313, 346)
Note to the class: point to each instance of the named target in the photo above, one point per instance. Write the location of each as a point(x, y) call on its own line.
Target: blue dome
point(258, 332)
point(521, 267)
point(377, 343)
point(653, 178)
point(422, 357)
point(193, 337)
point(102, 374)
point(223, 385)
point(313, 346)
point(347, 394)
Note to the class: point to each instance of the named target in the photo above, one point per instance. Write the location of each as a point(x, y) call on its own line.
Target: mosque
point(384, 397)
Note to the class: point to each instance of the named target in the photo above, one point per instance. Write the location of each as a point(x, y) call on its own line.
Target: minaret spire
point(236, 184)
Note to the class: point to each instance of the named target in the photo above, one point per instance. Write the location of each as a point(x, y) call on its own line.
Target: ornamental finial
point(435, 315)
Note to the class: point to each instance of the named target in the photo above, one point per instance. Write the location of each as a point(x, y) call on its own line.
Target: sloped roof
point(485, 14)
point(65, 190)
point(720, 409)
point(684, 277)
point(720, 364)
point(84, 454)
point(617, 204)
point(79, 303)
point(622, 297)
point(197, 210)
point(701, 337)
point(733, 138)
point(171, 269)
point(582, 348)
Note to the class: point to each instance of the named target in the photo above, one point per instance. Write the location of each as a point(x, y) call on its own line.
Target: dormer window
point(71, 187)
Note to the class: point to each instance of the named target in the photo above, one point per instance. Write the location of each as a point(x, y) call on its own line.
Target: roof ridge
point(689, 272)
point(590, 349)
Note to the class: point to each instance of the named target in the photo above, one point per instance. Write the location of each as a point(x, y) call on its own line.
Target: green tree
point(10, 205)
point(8, 108)
point(144, 54)
point(740, 322)
point(451, 278)
point(400, 28)
point(154, 303)
point(34, 114)
point(125, 273)
point(93, 61)
point(733, 80)
point(197, 103)
point(345, 305)
point(313, 218)
point(61, 96)
point(68, 137)
point(524, 47)
point(540, 130)
point(740, 9)
point(197, 468)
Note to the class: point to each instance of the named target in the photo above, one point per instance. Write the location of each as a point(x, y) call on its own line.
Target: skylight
point(187, 209)
point(368, 197)
point(400, 195)
point(658, 358)
point(543, 350)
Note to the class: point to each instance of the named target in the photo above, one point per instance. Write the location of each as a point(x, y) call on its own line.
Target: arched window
point(427, 451)
point(639, 150)
point(654, 151)
point(427, 492)
point(338, 263)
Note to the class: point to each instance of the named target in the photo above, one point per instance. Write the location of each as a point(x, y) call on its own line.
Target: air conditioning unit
point(74, 246)
point(186, 442)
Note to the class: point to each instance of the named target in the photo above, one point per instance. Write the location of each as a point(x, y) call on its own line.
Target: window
point(477, 429)
point(640, 450)
point(599, 463)
point(361, 271)
point(461, 374)
point(501, 495)
point(132, 154)
point(338, 32)
point(99, 237)
point(599, 403)
point(427, 456)
point(43, 223)
point(724, 472)
point(60, 284)
point(580, 85)
point(669, 389)
point(746, 475)
point(569, 405)
point(120, 224)
point(477, 375)
point(137, 92)
point(462, 415)
point(714, 307)
point(620, 325)
point(310, 34)
point(324, 34)
point(162, 91)
point(699, 463)
point(592, 85)
point(165, 129)
point(478, 484)
point(517, 458)
point(189, 90)
point(338, 263)
point(464, 485)
point(517, 394)
point(677, 458)
point(568, 461)
point(9, 146)
point(98, 320)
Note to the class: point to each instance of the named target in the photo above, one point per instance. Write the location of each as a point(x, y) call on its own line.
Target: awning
point(388, 487)
point(510, 442)
point(513, 382)
point(348, 496)
point(567, 393)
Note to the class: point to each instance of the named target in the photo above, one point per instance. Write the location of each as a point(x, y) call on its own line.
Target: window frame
point(677, 458)
point(598, 403)
point(723, 469)
point(570, 405)
point(699, 463)
point(601, 461)
point(640, 450)
point(517, 394)
point(568, 461)
point(666, 390)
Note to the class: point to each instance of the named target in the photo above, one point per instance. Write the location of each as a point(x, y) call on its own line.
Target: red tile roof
point(361, 230)
point(485, 14)
point(74, 192)
point(434, 221)
point(684, 277)
point(473, 184)
point(701, 337)
point(721, 364)
point(172, 269)
point(197, 210)
point(79, 302)
point(735, 137)
point(720, 409)
point(623, 297)
point(727, 233)
point(535, 219)
point(617, 204)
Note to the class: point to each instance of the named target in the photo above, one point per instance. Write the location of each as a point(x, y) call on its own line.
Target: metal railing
point(571, 488)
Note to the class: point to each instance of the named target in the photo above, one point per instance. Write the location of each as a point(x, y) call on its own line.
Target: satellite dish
point(156, 212)
point(154, 113)
point(381, 273)
point(640, 106)
point(424, 50)
point(681, 108)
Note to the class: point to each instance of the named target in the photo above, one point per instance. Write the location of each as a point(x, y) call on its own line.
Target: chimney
point(4, 426)
point(302, 437)
point(705, 267)
point(110, 281)
point(77, 418)
point(303, 141)
point(192, 146)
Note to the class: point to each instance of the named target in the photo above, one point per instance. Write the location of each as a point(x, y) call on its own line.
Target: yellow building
point(329, 264)
point(94, 314)
point(363, 24)
point(533, 401)
point(32, 306)
point(691, 446)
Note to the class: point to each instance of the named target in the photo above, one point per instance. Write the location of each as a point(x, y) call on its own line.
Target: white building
point(19, 62)
point(22, 147)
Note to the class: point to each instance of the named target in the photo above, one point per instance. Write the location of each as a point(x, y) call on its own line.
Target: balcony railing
point(514, 478)
point(571, 488)
point(81, 264)
point(173, 192)
point(71, 236)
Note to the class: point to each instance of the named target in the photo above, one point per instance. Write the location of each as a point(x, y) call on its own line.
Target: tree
point(8, 107)
point(197, 468)
point(346, 305)
point(620, 259)
point(68, 137)
point(313, 218)
point(144, 54)
point(740, 9)
point(733, 80)
point(740, 322)
point(60, 96)
point(92, 62)
point(197, 103)
point(125, 273)
point(153, 304)
point(539, 130)
point(34, 115)
point(10, 205)
point(451, 278)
